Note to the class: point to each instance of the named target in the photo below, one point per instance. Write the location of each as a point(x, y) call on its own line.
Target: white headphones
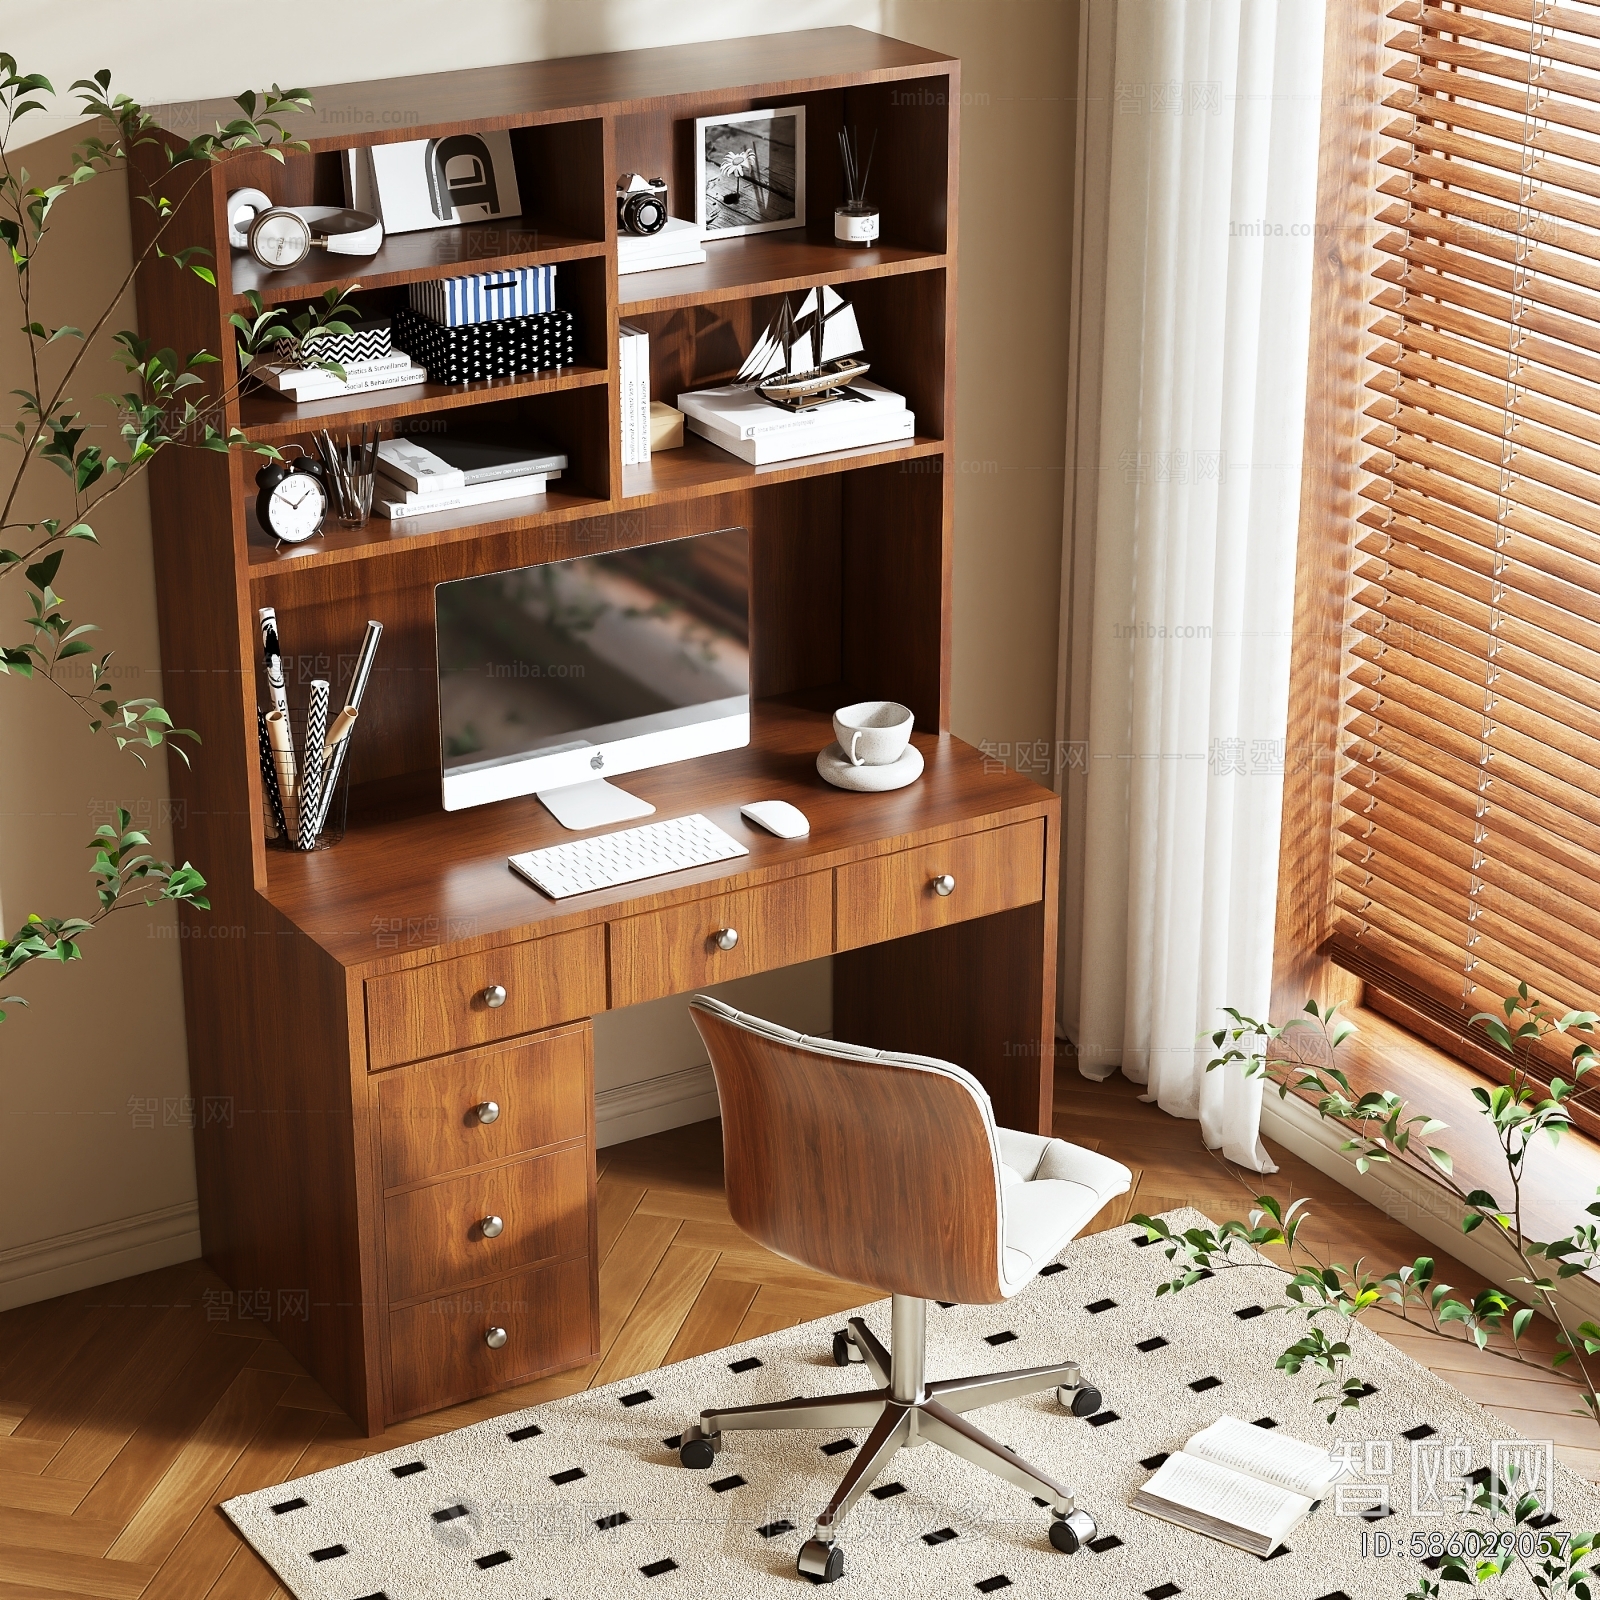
point(243, 207)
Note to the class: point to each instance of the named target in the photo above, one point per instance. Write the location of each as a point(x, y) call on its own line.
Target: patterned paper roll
point(281, 739)
point(311, 764)
point(272, 801)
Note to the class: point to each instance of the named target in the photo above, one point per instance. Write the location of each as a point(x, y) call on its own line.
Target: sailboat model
point(807, 358)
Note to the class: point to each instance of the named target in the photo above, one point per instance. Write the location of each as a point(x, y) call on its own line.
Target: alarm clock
point(292, 500)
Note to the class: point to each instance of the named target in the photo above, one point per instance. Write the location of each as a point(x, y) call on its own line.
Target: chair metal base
point(902, 1411)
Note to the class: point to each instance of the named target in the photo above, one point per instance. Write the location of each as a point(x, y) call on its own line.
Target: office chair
point(888, 1170)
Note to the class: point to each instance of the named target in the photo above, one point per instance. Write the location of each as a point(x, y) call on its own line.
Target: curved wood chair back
point(876, 1168)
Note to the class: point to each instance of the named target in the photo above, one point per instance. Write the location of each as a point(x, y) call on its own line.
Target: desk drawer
point(890, 896)
point(438, 1352)
point(668, 952)
point(435, 1234)
point(432, 1010)
point(429, 1114)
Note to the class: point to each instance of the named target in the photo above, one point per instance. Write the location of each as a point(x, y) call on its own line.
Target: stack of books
point(737, 419)
point(367, 354)
point(415, 480)
point(677, 245)
point(634, 365)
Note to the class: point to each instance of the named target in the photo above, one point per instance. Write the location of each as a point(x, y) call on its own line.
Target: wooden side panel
point(887, 897)
point(428, 1114)
point(428, 1011)
point(673, 951)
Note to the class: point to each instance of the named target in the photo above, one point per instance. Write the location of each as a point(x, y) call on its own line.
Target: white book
point(291, 380)
point(819, 437)
point(414, 467)
point(1244, 1485)
point(635, 369)
point(677, 244)
point(739, 410)
point(327, 387)
point(392, 499)
point(682, 258)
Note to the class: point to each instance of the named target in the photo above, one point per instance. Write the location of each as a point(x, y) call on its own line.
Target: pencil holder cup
point(352, 474)
point(283, 821)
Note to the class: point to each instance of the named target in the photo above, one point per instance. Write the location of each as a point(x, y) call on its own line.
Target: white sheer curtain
point(1183, 550)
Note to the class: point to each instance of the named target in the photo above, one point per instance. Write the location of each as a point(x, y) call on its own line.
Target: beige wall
point(87, 1191)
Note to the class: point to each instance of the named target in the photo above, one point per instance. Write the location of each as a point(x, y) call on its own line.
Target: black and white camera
point(641, 204)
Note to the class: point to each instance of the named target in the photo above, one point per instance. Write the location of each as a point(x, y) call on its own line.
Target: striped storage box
point(499, 349)
point(486, 296)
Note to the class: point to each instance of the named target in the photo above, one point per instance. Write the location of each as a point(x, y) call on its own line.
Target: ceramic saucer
point(834, 767)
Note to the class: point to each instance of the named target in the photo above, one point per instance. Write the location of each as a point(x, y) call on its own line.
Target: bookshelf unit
point(337, 1032)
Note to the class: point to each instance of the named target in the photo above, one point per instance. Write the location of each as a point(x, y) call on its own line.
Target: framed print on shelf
point(750, 171)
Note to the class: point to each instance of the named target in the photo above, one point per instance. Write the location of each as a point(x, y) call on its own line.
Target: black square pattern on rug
point(1200, 1385)
point(1155, 1343)
point(1365, 1390)
point(1265, 1422)
point(377, 1594)
point(288, 1505)
point(1162, 1591)
point(745, 1364)
point(532, 1431)
point(771, 1530)
point(496, 1558)
point(1150, 1463)
point(1423, 1430)
point(654, 1569)
point(1245, 1313)
point(944, 1305)
point(836, 1446)
point(1095, 1307)
point(1545, 1519)
point(887, 1491)
point(407, 1468)
point(450, 1513)
point(1007, 1337)
point(1375, 1513)
point(674, 1442)
point(1101, 1418)
point(1140, 1240)
point(1052, 1269)
point(723, 1485)
point(1280, 1550)
point(329, 1552)
point(939, 1536)
point(1334, 1594)
point(637, 1398)
point(1106, 1541)
point(571, 1475)
point(989, 1585)
point(615, 1520)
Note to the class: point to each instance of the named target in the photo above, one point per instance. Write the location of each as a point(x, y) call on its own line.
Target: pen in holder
point(305, 775)
point(351, 468)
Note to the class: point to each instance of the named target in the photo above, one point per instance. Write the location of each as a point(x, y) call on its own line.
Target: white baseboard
point(101, 1254)
point(1425, 1207)
point(671, 1101)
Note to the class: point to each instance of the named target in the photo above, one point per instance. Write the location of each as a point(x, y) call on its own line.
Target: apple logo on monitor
point(460, 173)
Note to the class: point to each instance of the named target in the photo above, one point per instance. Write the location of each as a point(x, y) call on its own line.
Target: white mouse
point(777, 816)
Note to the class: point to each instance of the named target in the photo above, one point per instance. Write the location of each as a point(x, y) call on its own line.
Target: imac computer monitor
point(559, 674)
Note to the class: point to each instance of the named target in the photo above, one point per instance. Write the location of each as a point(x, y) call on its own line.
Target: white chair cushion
point(1049, 1189)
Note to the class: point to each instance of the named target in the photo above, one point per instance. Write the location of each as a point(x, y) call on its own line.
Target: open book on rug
point(1239, 1483)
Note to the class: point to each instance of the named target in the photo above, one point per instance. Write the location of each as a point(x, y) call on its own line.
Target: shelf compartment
point(271, 420)
point(700, 468)
point(410, 258)
point(766, 264)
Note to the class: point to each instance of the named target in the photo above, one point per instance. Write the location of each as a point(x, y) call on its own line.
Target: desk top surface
point(396, 890)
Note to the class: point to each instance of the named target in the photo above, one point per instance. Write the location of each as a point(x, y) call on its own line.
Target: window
point(1468, 807)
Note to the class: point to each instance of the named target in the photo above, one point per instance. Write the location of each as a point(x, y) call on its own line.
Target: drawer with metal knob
point(908, 891)
point(753, 930)
point(438, 1117)
point(473, 1341)
point(496, 994)
point(486, 1222)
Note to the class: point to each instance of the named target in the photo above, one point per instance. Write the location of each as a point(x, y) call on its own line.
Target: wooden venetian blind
point(1469, 824)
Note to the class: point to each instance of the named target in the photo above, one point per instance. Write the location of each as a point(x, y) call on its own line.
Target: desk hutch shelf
point(341, 1038)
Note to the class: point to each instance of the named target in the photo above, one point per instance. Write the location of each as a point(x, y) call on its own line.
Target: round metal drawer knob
point(944, 884)
point(726, 938)
point(495, 1338)
point(494, 996)
point(492, 1227)
point(489, 1111)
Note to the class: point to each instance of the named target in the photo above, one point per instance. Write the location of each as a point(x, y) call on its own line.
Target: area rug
point(584, 1497)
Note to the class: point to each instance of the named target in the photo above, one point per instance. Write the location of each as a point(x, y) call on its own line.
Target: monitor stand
point(593, 804)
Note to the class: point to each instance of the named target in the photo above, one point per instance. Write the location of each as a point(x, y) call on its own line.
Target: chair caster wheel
point(821, 1563)
point(1072, 1532)
point(695, 1449)
point(1083, 1401)
point(844, 1349)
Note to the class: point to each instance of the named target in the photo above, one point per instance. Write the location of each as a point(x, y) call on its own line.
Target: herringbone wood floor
point(127, 1412)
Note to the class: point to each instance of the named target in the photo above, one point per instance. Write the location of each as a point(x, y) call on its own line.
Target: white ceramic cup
point(873, 733)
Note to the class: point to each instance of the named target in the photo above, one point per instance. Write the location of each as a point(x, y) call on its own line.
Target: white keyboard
point(609, 859)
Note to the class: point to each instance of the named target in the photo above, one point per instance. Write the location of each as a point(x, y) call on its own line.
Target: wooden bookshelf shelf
point(268, 419)
point(410, 258)
point(700, 468)
point(766, 263)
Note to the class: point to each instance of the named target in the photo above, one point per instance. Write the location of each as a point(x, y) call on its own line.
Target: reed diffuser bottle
point(855, 222)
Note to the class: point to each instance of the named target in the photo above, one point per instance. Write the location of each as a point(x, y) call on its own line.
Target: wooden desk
point(352, 1171)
